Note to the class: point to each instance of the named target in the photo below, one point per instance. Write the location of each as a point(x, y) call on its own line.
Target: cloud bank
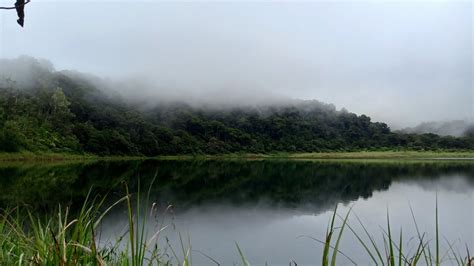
point(400, 62)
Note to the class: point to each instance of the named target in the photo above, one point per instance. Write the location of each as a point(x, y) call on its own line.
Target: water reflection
point(289, 184)
point(263, 205)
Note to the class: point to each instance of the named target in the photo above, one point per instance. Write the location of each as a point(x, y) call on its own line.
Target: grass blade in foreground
point(338, 241)
point(242, 257)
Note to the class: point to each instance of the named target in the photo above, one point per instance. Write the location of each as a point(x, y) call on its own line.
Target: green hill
point(43, 110)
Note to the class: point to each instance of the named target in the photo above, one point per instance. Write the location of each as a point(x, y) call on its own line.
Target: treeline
point(44, 110)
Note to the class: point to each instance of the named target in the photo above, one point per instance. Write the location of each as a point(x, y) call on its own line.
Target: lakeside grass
point(57, 157)
point(63, 238)
point(386, 155)
point(359, 155)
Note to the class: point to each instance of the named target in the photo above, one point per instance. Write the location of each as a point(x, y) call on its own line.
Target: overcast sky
point(399, 62)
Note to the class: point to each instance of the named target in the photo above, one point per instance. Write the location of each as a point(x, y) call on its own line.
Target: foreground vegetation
point(29, 238)
point(427, 251)
point(42, 110)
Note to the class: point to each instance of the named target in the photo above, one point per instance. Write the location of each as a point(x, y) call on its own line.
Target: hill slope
point(45, 110)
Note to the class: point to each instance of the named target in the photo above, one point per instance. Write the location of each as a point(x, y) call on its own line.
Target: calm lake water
point(271, 208)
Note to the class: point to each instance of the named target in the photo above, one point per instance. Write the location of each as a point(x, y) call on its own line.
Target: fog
point(398, 62)
point(455, 128)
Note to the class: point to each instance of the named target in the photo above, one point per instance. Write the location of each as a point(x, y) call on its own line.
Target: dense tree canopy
point(65, 112)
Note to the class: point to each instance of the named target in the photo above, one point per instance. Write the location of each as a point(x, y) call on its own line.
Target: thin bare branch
point(13, 7)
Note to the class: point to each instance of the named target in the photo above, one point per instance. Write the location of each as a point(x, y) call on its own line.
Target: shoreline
point(60, 157)
point(360, 155)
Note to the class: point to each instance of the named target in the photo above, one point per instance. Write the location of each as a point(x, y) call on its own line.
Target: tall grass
point(393, 253)
point(59, 240)
point(27, 238)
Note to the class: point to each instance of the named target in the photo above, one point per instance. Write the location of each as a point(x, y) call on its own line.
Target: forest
point(43, 110)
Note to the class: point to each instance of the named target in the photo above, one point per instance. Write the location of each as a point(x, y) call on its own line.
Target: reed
point(28, 238)
point(393, 253)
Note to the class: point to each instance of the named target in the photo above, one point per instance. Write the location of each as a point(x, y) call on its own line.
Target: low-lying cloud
point(398, 62)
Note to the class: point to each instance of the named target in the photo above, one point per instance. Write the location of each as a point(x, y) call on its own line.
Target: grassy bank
point(387, 155)
point(54, 157)
point(30, 156)
point(338, 155)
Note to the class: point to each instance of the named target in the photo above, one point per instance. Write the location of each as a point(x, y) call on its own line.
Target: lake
point(273, 209)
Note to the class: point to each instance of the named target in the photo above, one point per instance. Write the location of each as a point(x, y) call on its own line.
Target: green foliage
point(66, 112)
point(391, 248)
point(9, 141)
point(28, 237)
point(36, 120)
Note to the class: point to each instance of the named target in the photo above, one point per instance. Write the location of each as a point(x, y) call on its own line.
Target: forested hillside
point(49, 111)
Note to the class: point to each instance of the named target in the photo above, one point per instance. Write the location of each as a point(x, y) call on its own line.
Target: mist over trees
point(456, 128)
point(43, 110)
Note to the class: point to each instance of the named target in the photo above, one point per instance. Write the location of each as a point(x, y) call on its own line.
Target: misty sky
point(399, 62)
